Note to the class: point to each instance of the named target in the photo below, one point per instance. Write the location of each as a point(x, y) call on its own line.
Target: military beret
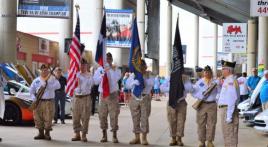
point(207, 68)
point(228, 64)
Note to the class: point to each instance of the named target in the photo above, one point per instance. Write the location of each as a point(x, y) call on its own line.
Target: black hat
point(43, 66)
point(198, 69)
point(228, 64)
point(207, 68)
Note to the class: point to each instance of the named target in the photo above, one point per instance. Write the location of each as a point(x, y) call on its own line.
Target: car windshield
point(18, 87)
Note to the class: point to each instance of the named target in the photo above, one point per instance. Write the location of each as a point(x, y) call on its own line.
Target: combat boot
point(136, 140)
point(104, 136)
point(40, 135)
point(173, 142)
point(144, 139)
point(47, 135)
point(179, 141)
point(76, 137)
point(115, 140)
point(84, 137)
point(201, 144)
point(210, 144)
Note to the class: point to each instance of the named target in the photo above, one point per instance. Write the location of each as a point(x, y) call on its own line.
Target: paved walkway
point(22, 136)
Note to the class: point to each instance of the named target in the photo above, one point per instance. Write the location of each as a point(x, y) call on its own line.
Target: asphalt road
point(22, 136)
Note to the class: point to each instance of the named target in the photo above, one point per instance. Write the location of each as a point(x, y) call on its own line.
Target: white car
point(249, 103)
point(261, 122)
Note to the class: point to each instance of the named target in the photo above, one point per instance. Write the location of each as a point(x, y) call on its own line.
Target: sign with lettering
point(234, 37)
point(258, 7)
point(44, 8)
point(118, 27)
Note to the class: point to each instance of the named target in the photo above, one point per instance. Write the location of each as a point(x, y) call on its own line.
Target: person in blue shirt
point(157, 88)
point(253, 80)
point(264, 92)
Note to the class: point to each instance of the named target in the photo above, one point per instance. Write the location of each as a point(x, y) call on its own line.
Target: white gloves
point(132, 76)
point(228, 120)
point(136, 82)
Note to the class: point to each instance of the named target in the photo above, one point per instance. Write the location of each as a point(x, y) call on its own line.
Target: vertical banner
point(234, 37)
point(44, 8)
point(118, 28)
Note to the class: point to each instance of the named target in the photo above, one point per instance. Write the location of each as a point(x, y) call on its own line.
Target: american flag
point(75, 55)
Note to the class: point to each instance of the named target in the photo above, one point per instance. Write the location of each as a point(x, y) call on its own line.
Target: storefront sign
point(234, 37)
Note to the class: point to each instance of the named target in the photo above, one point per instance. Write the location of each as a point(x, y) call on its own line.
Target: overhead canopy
point(217, 11)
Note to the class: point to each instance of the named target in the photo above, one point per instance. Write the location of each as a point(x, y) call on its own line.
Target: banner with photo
point(44, 8)
point(118, 27)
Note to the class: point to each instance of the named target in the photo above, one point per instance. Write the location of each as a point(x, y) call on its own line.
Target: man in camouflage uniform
point(140, 107)
point(44, 113)
point(228, 99)
point(110, 104)
point(206, 115)
point(82, 103)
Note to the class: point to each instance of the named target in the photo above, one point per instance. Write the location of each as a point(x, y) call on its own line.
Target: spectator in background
point(264, 92)
point(60, 97)
point(94, 93)
point(253, 80)
point(242, 81)
point(127, 92)
point(157, 88)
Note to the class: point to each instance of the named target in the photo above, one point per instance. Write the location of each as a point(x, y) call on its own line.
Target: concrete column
point(263, 42)
point(215, 48)
point(141, 23)
point(252, 45)
point(65, 32)
point(8, 31)
point(169, 36)
point(196, 41)
point(96, 24)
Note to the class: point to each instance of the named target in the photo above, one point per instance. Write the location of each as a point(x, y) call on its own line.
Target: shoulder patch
point(201, 84)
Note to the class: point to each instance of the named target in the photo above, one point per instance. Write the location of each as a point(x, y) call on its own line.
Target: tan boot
point(47, 135)
point(136, 140)
point(144, 139)
point(76, 137)
point(210, 144)
point(40, 135)
point(179, 141)
point(115, 140)
point(104, 136)
point(201, 144)
point(173, 142)
point(84, 137)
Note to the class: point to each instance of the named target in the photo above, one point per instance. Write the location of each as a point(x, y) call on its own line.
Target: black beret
point(43, 66)
point(207, 68)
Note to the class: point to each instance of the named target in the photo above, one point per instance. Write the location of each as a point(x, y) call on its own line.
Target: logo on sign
point(234, 29)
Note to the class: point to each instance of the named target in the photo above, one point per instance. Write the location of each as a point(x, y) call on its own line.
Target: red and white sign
point(258, 7)
point(42, 58)
point(234, 38)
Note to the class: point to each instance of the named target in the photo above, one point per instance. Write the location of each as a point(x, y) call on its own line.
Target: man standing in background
point(253, 80)
point(60, 96)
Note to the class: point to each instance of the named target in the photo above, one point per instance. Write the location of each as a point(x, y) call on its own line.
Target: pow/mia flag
point(176, 84)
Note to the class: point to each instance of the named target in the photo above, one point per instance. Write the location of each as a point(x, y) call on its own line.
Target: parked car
point(253, 101)
point(261, 122)
point(18, 101)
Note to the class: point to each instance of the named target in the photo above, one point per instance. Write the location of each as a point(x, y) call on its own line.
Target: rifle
point(40, 93)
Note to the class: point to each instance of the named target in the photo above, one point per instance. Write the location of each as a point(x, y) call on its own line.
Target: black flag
point(176, 85)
